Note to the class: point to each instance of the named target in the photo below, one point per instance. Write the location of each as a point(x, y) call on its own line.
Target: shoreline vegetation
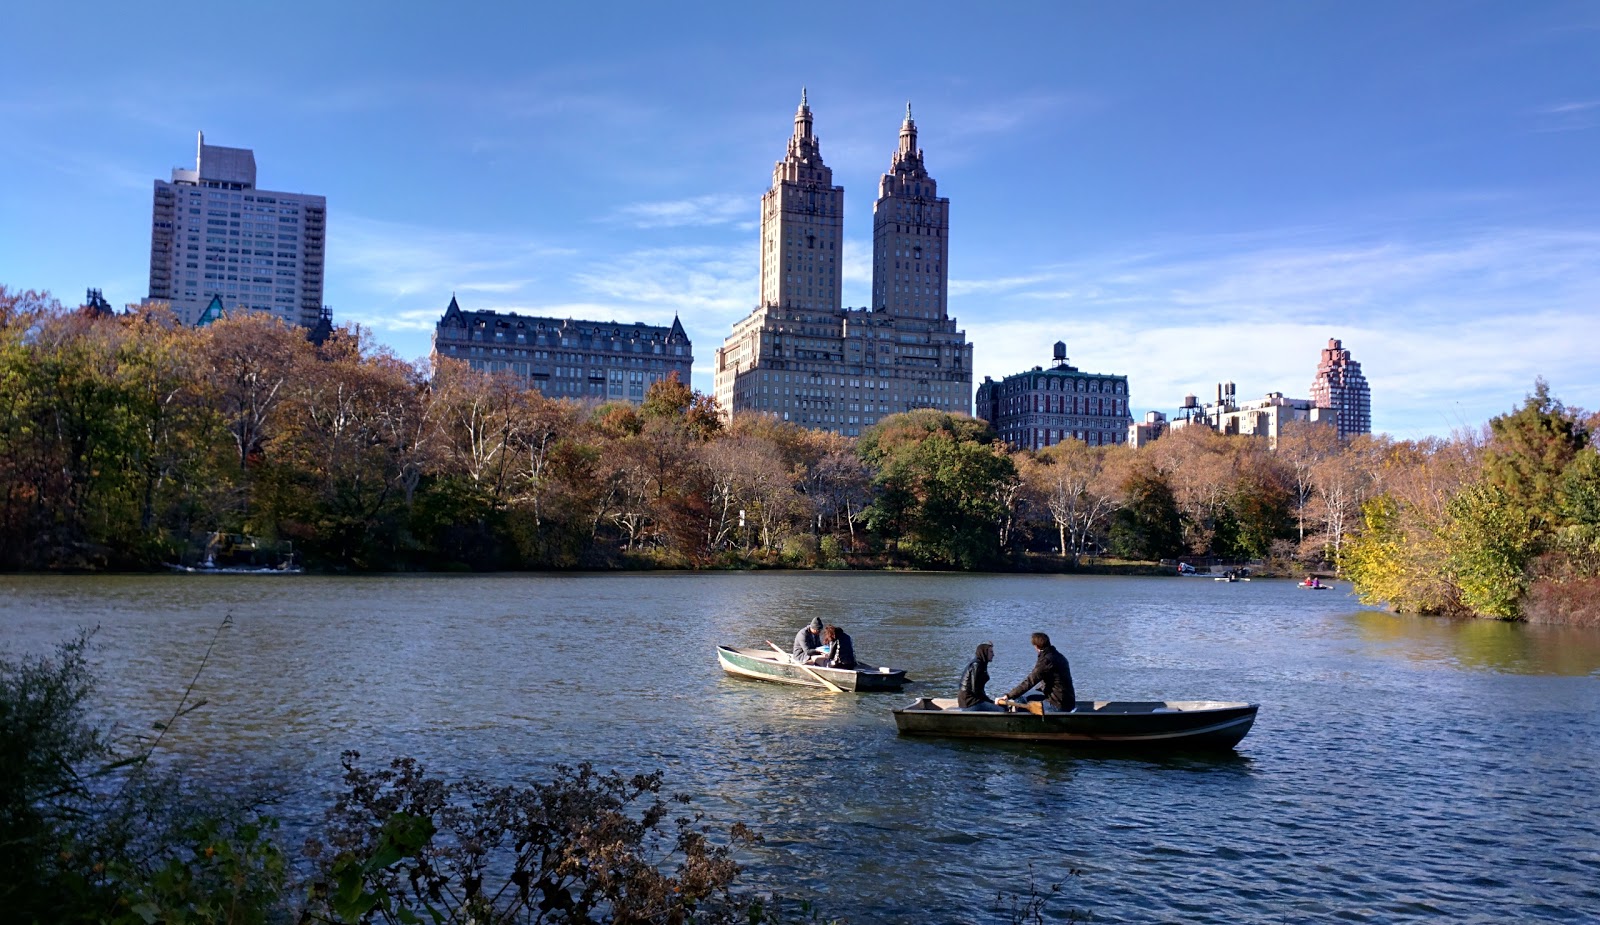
point(130, 443)
point(104, 828)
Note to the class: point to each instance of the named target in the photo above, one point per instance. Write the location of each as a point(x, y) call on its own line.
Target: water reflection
point(1493, 645)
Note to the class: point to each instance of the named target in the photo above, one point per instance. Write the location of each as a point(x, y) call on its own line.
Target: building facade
point(1264, 417)
point(213, 234)
point(1145, 432)
point(562, 358)
point(1043, 407)
point(1342, 388)
point(805, 357)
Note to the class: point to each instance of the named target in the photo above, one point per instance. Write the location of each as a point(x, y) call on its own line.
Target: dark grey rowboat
point(1177, 725)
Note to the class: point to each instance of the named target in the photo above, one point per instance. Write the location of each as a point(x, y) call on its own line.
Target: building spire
point(908, 139)
point(803, 145)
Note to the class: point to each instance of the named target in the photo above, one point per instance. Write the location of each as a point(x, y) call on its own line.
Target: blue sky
point(1185, 193)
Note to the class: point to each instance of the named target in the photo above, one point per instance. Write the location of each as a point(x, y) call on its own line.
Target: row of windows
point(1039, 438)
point(1059, 384)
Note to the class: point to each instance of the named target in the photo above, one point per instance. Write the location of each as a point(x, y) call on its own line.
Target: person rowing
point(1051, 674)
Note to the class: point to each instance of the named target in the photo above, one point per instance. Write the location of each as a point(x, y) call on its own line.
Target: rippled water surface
point(1401, 770)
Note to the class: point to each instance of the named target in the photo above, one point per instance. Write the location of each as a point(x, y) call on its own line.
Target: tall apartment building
point(804, 356)
point(563, 358)
point(1341, 386)
point(1042, 407)
point(214, 235)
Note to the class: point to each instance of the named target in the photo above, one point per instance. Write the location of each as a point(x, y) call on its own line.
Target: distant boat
point(238, 554)
point(1176, 725)
point(770, 665)
point(202, 569)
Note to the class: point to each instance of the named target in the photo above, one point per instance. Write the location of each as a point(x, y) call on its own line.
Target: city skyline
point(1185, 195)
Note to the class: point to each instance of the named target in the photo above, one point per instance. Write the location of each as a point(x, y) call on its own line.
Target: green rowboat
point(767, 665)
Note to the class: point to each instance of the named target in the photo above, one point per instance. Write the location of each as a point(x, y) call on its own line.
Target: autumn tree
point(1401, 556)
point(1078, 485)
point(1302, 449)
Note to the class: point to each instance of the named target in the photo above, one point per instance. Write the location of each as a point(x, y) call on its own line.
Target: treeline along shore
point(126, 440)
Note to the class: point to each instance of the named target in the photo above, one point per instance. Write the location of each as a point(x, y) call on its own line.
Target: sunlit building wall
point(214, 235)
point(805, 357)
point(593, 361)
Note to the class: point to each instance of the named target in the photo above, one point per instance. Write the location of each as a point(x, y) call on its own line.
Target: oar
point(832, 687)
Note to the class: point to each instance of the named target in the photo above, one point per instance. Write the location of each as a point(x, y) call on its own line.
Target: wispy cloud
point(1452, 328)
point(707, 288)
point(403, 274)
point(1002, 115)
point(716, 209)
point(1572, 116)
point(715, 284)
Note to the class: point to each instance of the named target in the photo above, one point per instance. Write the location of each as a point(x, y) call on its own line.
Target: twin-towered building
point(220, 243)
point(805, 357)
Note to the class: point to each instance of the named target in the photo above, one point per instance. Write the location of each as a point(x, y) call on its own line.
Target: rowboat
point(1175, 725)
point(767, 665)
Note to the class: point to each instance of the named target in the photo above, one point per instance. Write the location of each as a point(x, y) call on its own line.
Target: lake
point(1401, 769)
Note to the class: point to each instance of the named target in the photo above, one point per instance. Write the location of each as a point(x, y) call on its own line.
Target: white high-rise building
point(213, 235)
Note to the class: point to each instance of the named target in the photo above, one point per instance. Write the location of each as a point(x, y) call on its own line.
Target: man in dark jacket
point(1051, 674)
point(972, 695)
point(808, 641)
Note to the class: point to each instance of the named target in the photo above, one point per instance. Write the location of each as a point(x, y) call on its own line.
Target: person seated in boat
point(1051, 674)
point(971, 696)
point(841, 652)
point(808, 641)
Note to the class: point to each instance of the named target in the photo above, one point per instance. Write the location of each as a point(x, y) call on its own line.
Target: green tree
point(1148, 525)
point(1578, 536)
point(1529, 451)
point(942, 481)
point(1490, 540)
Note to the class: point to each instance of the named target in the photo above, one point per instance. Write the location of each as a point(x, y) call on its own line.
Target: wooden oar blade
point(832, 687)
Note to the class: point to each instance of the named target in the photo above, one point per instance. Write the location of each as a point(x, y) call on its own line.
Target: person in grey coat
point(1051, 674)
point(808, 641)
